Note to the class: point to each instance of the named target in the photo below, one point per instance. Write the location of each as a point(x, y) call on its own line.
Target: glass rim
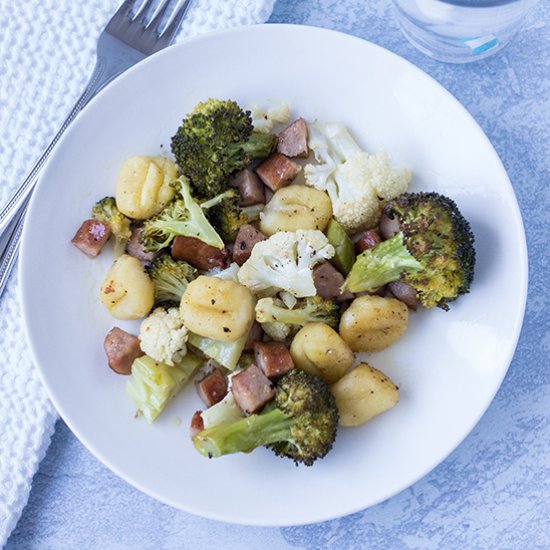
point(479, 3)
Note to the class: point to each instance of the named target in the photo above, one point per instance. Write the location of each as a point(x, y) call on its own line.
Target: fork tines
point(157, 21)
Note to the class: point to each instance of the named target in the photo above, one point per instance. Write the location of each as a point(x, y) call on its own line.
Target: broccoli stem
point(257, 146)
point(244, 435)
point(382, 264)
point(275, 314)
point(217, 199)
point(310, 310)
point(223, 412)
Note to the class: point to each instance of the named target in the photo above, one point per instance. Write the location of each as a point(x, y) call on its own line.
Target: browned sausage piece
point(197, 424)
point(251, 189)
point(121, 349)
point(254, 335)
point(91, 236)
point(273, 358)
point(293, 140)
point(245, 240)
point(405, 293)
point(212, 388)
point(251, 389)
point(367, 239)
point(135, 247)
point(277, 171)
point(198, 253)
point(328, 280)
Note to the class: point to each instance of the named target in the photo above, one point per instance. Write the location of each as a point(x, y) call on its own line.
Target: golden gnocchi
point(362, 394)
point(127, 291)
point(373, 323)
point(318, 349)
point(217, 308)
point(143, 186)
point(296, 207)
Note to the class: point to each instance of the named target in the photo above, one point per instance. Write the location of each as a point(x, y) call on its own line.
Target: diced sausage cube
point(91, 236)
point(367, 239)
point(328, 280)
point(212, 388)
point(293, 140)
point(273, 358)
point(198, 253)
point(277, 171)
point(252, 389)
point(121, 349)
point(251, 189)
point(245, 240)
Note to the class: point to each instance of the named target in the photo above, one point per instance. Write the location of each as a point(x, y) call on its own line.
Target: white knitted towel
point(47, 51)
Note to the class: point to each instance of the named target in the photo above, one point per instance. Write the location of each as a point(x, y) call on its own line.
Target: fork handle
point(13, 213)
point(99, 78)
point(9, 245)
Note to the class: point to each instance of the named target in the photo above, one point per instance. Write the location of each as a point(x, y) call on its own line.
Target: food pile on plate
point(261, 259)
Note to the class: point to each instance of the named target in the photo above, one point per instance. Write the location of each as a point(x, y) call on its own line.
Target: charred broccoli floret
point(435, 235)
point(215, 140)
point(382, 264)
point(307, 310)
point(227, 216)
point(182, 216)
point(106, 211)
point(299, 423)
point(170, 278)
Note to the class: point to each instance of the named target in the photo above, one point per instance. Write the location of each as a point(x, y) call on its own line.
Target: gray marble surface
point(494, 489)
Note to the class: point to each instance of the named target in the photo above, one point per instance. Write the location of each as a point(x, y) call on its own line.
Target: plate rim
point(523, 265)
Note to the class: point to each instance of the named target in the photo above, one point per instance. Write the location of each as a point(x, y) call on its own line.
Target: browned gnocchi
point(362, 394)
point(373, 323)
point(143, 186)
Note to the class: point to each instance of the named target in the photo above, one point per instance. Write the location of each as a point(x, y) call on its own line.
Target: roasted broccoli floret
point(381, 264)
point(215, 140)
point(436, 236)
point(307, 310)
point(182, 216)
point(106, 211)
point(227, 216)
point(170, 278)
point(299, 423)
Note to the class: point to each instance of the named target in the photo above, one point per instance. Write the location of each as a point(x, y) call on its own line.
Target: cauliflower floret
point(285, 261)
point(162, 336)
point(264, 120)
point(357, 182)
point(388, 182)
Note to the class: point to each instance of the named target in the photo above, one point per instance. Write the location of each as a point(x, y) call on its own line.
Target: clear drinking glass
point(458, 31)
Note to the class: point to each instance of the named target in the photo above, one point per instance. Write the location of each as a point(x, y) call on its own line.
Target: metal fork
point(138, 29)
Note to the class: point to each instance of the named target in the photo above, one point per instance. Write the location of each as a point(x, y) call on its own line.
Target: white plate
point(448, 366)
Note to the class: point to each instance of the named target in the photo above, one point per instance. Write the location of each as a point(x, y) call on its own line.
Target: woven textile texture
point(47, 52)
